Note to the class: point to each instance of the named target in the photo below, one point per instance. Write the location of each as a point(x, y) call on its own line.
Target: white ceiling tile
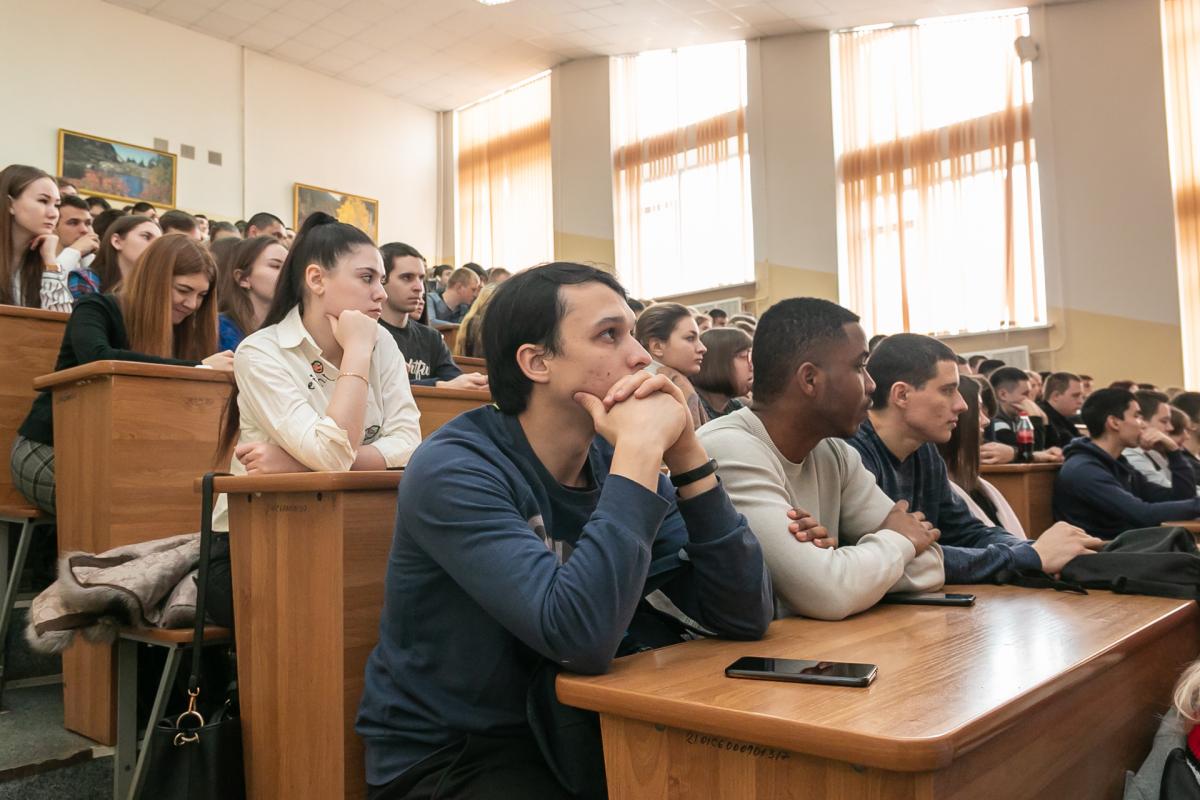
point(330, 63)
point(343, 25)
point(307, 10)
point(136, 5)
point(356, 51)
point(296, 52)
point(287, 26)
point(799, 9)
point(274, 5)
point(321, 38)
point(245, 11)
point(219, 24)
point(757, 12)
point(367, 10)
point(261, 38)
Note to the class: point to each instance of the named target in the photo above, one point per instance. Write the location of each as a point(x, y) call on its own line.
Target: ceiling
point(443, 54)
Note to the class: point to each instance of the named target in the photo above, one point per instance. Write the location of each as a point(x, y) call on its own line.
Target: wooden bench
point(439, 405)
point(468, 364)
point(1027, 694)
point(1029, 489)
point(309, 555)
point(449, 332)
point(130, 438)
point(32, 338)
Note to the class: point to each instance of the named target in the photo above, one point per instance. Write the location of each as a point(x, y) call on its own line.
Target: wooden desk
point(449, 332)
point(1028, 694)
point(468, 364)
point(129, 440)
point(31, 338)
point(309, 555)
point(1029, 489)
point(439, 406)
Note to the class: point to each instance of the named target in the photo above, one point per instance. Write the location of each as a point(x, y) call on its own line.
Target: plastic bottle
point(1024, 439)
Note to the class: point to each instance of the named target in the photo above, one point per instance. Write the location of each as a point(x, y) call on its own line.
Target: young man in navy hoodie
point(1096, 488)
point(528, 534)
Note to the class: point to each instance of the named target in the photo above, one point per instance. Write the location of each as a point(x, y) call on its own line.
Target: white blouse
point(285, 386)
point(55, 295)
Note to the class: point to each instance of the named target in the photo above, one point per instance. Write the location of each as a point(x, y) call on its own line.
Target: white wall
point(308, 128)
point(161, 80)
point(1101, 130)
point(790, 120)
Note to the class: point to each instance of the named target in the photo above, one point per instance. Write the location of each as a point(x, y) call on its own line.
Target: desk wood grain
point(1029, 489)
point(32, 338)
point(468, 364)
point(438, 406)
point(963, 695)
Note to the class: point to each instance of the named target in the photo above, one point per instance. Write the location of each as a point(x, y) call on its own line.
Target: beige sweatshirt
point(833, 486)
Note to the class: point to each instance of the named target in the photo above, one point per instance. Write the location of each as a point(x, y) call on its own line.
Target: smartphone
point(932, 599)
point(836, 673)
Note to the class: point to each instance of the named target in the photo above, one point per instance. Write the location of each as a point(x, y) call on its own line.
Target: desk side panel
point(286, 560)
point(30, 349)
point(369, 521)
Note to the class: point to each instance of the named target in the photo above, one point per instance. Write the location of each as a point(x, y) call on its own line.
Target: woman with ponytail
point(321, 386)
point(163, 314)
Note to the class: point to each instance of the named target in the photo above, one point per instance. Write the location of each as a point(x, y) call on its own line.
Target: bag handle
point(206, 512)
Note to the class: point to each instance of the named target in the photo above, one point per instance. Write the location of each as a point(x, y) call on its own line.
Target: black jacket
point(1060, 431)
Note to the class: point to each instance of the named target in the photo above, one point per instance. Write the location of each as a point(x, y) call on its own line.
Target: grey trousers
point(33, 472)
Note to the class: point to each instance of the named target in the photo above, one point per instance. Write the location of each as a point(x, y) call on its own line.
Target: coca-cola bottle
point(1024, 439)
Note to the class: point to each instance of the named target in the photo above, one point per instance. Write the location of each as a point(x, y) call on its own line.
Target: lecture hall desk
point(31, 340)
point(1028, 694)
point(309, 555)
point(1029, 489)
point(130, 439)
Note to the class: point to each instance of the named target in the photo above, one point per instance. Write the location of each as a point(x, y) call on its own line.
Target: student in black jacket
point(1096, 488)
point(1014, 396)
point(164, 313)
point(1062, 397)
point(428, 358)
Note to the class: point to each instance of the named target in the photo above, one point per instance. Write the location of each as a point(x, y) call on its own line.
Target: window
point(938, 213)
point(681, 170)
point(504, 207)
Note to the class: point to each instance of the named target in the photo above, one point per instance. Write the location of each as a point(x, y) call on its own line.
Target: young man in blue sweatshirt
point(529, 532)
point(915, 406)
point(1096, 488)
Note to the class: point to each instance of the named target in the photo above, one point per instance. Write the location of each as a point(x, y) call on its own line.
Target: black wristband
point(691, 476)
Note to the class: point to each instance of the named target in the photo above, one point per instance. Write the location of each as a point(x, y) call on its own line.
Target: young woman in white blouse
point(321, 386)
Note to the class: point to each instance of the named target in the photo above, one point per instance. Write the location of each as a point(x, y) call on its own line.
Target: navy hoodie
point(495, 565)
point(1105, 496)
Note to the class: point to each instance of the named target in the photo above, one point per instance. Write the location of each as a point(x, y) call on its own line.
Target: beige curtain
point(1181, 53)
point(504, 198)
point(681, 194)
point(938, 200)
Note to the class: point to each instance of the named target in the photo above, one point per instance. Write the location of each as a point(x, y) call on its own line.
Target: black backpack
point(1164, 562)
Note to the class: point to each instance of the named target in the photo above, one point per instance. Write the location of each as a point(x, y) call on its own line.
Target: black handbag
point(190, 757)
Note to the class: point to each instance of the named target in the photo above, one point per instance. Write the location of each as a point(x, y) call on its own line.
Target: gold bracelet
point(354, 375)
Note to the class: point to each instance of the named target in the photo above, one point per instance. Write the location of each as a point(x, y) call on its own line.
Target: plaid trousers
point(33, 472)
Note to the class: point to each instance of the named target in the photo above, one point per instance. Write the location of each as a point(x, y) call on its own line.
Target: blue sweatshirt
point(495, 565)
point(973, 552)
point(1105, 496)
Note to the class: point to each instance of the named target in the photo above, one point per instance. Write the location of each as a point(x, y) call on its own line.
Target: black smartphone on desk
point(834, 673)
point(932, 599)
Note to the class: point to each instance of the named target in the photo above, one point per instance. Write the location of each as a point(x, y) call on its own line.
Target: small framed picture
point(116, 170)
point(361, 212)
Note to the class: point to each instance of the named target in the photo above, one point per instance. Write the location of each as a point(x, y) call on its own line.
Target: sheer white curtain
point(938, 212)
point(681, 170)
point(1181, 52)
point(504, 198)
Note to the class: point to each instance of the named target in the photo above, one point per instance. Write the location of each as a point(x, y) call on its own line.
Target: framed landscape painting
point(361, 212)
point(116, 170)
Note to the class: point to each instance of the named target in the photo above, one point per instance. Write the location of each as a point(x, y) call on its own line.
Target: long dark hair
point(107, 265)
point(15, 179)
point(235, 264)
point(961, 451)
point(322, 240)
